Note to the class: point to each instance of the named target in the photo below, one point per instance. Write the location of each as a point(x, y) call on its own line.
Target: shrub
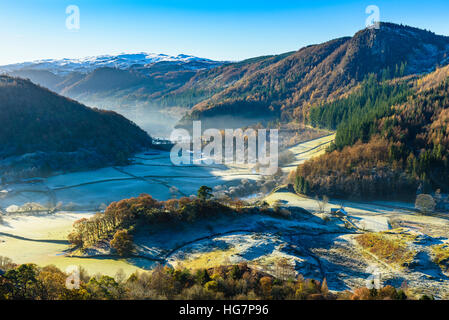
point(204, 193)
point(388, 247)
point(440, 255)
point(425, 203)
point(202, 276)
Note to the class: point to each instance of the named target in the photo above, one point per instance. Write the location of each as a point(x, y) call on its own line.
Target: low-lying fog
point(157, 122)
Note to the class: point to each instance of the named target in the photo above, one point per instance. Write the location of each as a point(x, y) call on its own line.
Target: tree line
point(232, 282)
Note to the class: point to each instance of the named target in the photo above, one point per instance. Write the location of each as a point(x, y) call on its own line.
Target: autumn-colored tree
point(122, 242)
point(53, 283)
point(265, 287)
point(284, 269)
point(238, 204)
point(324, 288)
point(75, 238)
point(31, 282)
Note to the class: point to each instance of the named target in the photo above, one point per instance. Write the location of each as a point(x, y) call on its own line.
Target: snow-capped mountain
point(122, 61)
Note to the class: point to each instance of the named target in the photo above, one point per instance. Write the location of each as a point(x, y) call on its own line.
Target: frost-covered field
point(307, 150)
point(33, 232)
point(151, 173)
point(315, 246)
point(93, 190)
point(43, 239)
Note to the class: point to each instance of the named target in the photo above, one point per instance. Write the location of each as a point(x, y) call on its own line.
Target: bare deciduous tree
point(322, 203)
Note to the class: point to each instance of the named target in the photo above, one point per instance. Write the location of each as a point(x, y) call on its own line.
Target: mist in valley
point(157, 121)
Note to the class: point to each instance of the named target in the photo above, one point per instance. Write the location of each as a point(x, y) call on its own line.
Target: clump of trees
point(122, 218)
point(30, 282)
point(385, 293)
point(130, 214)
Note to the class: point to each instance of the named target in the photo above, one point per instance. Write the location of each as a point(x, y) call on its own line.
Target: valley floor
point(316, 244)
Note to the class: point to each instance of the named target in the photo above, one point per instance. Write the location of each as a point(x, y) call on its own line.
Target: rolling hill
point(42, 132)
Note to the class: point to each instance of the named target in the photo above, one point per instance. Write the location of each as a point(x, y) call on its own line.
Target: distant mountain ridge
point(123, 61)
point(132, 79)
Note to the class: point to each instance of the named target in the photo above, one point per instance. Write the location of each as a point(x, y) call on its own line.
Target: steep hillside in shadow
point(41, 132)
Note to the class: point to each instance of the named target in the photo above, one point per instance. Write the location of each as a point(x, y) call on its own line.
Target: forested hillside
point(392, 138)
point(206, 83)
point(41, 132)
point(325, 72)
point(354, 117)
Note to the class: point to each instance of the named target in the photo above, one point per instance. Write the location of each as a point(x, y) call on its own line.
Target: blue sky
point(216, 29)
